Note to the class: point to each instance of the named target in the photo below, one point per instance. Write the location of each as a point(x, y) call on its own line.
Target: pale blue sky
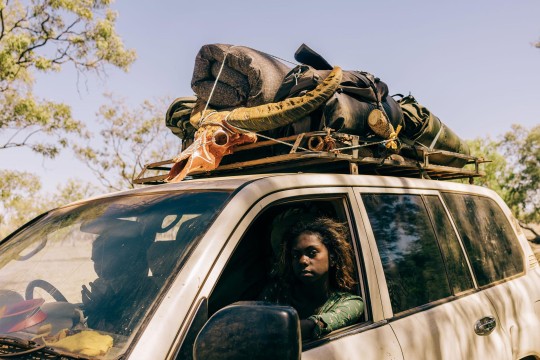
point(470, 62)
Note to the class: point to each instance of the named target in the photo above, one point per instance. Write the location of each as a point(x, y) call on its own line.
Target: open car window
point(93, 270)
point(250, 271)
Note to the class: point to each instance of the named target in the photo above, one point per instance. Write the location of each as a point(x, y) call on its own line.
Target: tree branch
point(17, 132)
point(29, 135)
point(37, 45)
point(2, 25)
point(536, 239)
point(9, 144)
point(21, 20)
point(45, 40)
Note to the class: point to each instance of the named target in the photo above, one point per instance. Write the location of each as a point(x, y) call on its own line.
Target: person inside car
point(120, 295)
point(314, 274)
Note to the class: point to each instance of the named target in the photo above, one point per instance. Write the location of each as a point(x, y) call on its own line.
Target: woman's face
point(310, 259)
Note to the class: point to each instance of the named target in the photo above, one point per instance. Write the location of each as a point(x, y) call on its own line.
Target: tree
point(21, 198)
point(43, 36)
point(130, 138)
point(17, 192)
point(514, 169)
point(522, 150)
point(495, 168)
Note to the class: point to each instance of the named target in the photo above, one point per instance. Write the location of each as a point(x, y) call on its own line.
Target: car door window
point(491, 245)
point(250, 269)
point(407, 244)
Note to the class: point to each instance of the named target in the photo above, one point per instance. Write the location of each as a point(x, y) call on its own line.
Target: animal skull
point(211, 143)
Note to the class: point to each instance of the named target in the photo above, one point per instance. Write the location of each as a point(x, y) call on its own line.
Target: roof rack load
point(322, 152)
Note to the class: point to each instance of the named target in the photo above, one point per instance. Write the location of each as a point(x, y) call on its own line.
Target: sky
point(471, 63)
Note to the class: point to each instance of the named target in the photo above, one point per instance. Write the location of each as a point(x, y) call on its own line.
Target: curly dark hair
point(334, 235)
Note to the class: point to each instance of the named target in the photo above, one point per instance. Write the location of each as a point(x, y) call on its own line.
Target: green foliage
point(514, 170)
point(17, 190)
point(23, 117)
point(43, 36)
point(129, 139)
point(21, 198)
point(495, 168)
point(522, 149)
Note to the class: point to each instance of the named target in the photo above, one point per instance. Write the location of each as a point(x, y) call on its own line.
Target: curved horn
point(270, 116)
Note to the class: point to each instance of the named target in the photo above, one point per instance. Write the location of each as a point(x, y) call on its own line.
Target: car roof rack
point(340, 153)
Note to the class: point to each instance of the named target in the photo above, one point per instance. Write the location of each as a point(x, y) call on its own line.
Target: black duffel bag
point(348, 109)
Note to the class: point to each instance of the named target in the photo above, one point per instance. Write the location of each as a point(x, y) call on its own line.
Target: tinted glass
point(491, 245)
point(458, 272)
point(98, 265)
point(410, 255)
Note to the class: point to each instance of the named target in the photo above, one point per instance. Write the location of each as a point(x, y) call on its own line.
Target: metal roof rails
point(316, 152)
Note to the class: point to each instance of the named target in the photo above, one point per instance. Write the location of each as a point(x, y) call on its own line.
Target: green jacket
point(340, 310)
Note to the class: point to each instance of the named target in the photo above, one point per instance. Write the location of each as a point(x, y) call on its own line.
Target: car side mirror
point(250, 330)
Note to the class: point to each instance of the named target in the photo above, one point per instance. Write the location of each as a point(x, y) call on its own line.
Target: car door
point(505, 275)
point(240, 269)
point(429, 295)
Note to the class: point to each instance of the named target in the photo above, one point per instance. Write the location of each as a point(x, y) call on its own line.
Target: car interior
point(250, 267)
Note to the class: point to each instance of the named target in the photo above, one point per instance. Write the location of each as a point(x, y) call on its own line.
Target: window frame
point(346, 197)
point(460, 242)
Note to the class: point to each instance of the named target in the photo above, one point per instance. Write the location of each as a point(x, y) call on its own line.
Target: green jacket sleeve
point(341, 309)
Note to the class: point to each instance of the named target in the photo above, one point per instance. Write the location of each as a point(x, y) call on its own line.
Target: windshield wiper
point(10, 347)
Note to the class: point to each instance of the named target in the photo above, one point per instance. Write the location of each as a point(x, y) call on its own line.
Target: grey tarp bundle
point(249, 77)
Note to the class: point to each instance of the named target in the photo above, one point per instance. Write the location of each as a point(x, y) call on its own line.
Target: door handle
point(485, 326)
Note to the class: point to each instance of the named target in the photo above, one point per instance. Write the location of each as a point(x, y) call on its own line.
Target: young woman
point(314, 274)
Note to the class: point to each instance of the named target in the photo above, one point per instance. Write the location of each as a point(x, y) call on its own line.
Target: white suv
point(175, 271)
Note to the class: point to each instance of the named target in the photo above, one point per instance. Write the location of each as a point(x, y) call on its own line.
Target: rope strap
point(392, 139)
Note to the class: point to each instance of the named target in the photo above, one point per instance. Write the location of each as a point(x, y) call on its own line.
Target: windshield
point(87, 274)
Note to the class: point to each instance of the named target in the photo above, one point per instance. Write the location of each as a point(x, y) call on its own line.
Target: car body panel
point(440, 330)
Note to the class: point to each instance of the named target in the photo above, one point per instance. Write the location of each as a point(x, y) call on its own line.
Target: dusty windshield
point(81, 279)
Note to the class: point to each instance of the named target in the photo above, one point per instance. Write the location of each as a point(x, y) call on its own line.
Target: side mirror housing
point(250, 330)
